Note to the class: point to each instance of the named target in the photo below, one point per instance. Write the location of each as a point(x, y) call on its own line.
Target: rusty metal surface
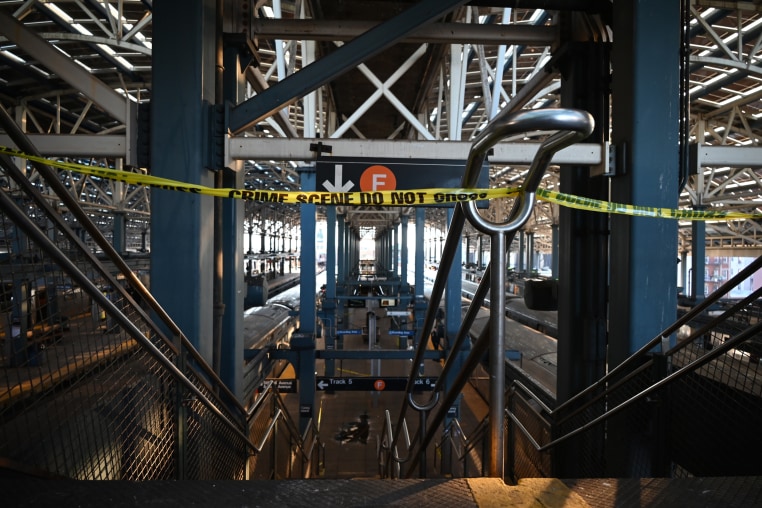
point(740, 492)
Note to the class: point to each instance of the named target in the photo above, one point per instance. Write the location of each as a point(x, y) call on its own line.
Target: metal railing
point(688, 399)
point(571, 126)
point(93, 386)
point(389, 459)
point(465, 450)
point(281, 452)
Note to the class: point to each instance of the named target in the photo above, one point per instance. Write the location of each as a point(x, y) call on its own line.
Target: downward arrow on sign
point(337, 186)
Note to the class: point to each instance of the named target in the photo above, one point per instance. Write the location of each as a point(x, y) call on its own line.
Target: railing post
point(181, 425)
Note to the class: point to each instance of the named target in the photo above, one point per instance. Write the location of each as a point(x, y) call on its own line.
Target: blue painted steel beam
point(453, 298)
point(303, 341)
point(233, 283)
point(181, 223)
point(337, 63)
point(643, 271)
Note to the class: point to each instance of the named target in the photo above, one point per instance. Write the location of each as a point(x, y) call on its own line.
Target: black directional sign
point(364, 174)
point(372, 384)
point(285, 385)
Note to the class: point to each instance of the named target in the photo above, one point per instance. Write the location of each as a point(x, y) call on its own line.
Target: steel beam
point(734, 156)
point(504, 153)
point(90, 86)
point(446, 33)
point(337, 63)
point(73, 145)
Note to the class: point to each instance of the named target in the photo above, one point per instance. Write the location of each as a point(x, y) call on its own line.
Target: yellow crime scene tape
point(408, 197)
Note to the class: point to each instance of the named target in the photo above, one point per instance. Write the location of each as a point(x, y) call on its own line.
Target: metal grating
point(687, 404)
point(91, 388)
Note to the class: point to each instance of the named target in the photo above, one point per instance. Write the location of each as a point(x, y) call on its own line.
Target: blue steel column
point(420, 305)
point(341, 274)
point(645, 109)
point(231, 354)
point(342, 249)
point(386, 258)
point(645, 91)
point(583, 259)
point(330, 258)
point(303, 340)
point(453, 290)
point(182, 223)
point(520, 264)
point(392, 249)
point(119, 233)
point(698, 257)
point(530, 252)
point(403, 254)
point(328, 311)
point(452, 324)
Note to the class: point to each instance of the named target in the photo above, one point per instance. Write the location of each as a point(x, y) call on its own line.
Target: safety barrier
point(92, 386)
point(461, 455)
point(280, 451)
point(568, 126)
point(686, 404)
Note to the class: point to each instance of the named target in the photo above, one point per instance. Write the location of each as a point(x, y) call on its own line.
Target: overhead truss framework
point(74, 74)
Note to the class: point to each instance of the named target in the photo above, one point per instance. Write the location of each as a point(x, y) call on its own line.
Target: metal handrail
point(390, 449)
point(51, 178)
point(640, 367)
point(687, 369)
point(466, 443)
point(23, 221)
point(573, 125)
point(688, 316)
point(303, 449)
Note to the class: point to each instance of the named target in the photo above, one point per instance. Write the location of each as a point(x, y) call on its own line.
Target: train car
point(266, 328)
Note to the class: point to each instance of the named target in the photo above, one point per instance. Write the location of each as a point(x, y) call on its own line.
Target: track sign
point(373, 384)
point(285, 385)
point(363, 174)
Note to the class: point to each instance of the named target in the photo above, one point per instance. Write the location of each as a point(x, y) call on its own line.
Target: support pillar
point(419, 308)
point(530, 252)
point(120, 232)
point(583, 240)
point(183, 87)
point(233, 282)
point(520, 265)
point(303, 340)
point(643, 297)
point(554, 243)
point(698, 257)
point(328, 310)
point(403, 254)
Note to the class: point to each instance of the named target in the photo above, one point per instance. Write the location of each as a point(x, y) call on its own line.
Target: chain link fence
point(90, 386)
